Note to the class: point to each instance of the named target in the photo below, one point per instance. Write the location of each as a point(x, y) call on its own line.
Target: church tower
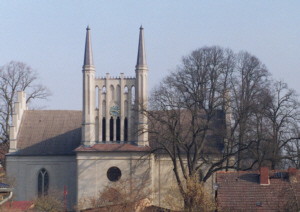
point(141, 71)
point(112, 106)
point(88, 70)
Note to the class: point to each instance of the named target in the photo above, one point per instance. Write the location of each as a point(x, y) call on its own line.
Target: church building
point(86, 150)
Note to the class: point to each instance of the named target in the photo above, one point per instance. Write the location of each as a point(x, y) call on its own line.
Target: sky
point(50, 37)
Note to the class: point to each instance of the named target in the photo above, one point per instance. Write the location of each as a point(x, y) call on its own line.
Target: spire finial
point(88, 54)
point(141, 57)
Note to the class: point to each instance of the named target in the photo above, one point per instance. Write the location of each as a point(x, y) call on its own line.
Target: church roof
point(49, 132)
point(58, 132)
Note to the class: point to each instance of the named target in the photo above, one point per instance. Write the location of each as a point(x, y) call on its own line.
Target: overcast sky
point(50, 37)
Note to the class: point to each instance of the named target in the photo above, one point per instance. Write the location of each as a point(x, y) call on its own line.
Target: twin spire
point(88, 54)
point(141, 57)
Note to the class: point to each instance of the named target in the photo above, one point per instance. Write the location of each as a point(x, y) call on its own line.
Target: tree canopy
point(221, 110)
point(16, 76)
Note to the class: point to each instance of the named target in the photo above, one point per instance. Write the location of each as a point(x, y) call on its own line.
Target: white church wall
point(93, 167)
point(164, 180)
point(24, 171)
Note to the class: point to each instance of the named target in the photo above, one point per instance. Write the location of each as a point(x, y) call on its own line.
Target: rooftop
point(246, 191)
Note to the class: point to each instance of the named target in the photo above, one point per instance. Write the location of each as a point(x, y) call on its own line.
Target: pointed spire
point(141, 57)
point(88, 54)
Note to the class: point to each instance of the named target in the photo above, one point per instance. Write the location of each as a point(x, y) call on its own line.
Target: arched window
point(103, 129)
point(103, 108)
point(118, 129)
point(118, 93)
point(125, 108)
point(43, 183)
point(96, 97)
point(132, 95)
point(97, 129)
point(111, 126)
point(126, 129)
point(112, 90)
point(104, 89)
point(126, 89)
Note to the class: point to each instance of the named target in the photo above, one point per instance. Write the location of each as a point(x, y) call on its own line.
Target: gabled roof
point(58, 132)
point(49, 132)
point(242, 191)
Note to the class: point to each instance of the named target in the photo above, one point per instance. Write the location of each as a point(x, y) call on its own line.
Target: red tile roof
point(242, 191)
point(113, 148)
point(19, 205)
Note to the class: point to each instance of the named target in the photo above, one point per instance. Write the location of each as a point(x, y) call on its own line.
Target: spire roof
point(88, 54)
point(141, 57)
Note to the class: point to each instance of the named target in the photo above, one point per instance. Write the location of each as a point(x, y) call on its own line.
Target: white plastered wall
point(23, 170)
point(93, 167)
point(164, 180)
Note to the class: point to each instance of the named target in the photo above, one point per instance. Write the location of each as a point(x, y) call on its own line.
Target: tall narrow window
point(118, 93)
point(104, 89)
point(118, 129)
point(125, 89)
point(112, 90)
point(96, 97)
point(126, 129)
point(97, 129)
point(103, 129)
point(111, 131)
point(132, 95)
point(43, 183)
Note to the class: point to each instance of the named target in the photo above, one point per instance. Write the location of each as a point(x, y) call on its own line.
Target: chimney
point(264, 176)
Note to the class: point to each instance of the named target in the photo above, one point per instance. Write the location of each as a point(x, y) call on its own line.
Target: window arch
point(43, 183)
point(125, 129)
point(112, 90)
point(97, 97)
point(132, 95)
point(118, 129)
point(103, 129)
point(104, 89)
point(111, 127)
point(125, 89)
point(118, 93)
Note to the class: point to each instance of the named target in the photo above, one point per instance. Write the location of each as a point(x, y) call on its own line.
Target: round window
point(114, 174)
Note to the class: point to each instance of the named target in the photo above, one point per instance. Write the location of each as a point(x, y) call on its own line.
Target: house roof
point(242, 191)
point(18, 205)
point(49, 132)
point(3, 185)
point(113, 148)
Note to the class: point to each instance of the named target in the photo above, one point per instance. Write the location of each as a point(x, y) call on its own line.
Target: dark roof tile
point(242, 191)
point(49, 132)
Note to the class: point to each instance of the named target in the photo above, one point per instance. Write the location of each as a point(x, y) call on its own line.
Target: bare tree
point(249, 91)
point(283, 115)
point(16, 76)
point(186, 117)
point(214, 107)
point(52, 202)
point(203, 200)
